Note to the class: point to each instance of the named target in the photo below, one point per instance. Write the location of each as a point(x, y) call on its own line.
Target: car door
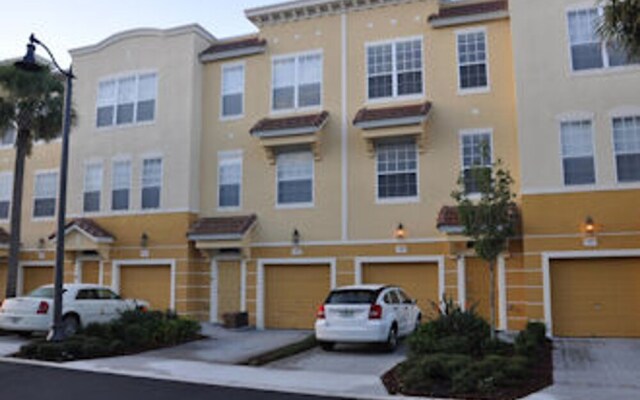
point(87, 306)
point(111, 304)
point(408, 311)
point(392, 303)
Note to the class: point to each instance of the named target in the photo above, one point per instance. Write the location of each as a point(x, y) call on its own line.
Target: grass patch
point(282, 352)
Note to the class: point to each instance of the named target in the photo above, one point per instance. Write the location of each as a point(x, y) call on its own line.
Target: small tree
point(32, 103)
point(621, 24)
point(489, 221)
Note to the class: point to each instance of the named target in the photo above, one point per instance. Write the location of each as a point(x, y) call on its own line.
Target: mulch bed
point(541, 377)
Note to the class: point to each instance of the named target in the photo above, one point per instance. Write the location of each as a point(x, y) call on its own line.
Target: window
point(127, 100)
point(297, 82)
point(476, 158)
point(577, 152)
point(588, 51)
point(394, 69)
point(229, 179)
point(151, 182)
point(45, 194)
point(92, 187)
point(120, 185)
point(6, 190)
point(232, 90)
point(472, 60)
point(397, 164)
point(295, 178)
point(626, 138)
point(9, 137)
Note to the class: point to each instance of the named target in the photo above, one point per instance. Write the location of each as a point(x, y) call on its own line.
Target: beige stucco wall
point(174, 134)
point(439, 165)
point(548, 90)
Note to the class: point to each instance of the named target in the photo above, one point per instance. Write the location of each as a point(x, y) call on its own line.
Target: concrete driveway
point(594, 369)
point(345, 359)
point(10, 343)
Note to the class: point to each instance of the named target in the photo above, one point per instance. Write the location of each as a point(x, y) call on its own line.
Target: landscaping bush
point(490, 374)
point(531, 341)
point(432, 373)
point(133, 332)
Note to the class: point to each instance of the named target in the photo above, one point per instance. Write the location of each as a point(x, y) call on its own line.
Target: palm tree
point(621, 24)
point(32, 103)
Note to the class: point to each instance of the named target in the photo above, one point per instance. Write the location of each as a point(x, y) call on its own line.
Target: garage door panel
point(596, 297)
point(419, 280)
point(293, 294)
point(36, 276)
point(147, 282)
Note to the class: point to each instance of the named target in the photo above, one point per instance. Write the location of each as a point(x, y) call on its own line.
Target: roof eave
point(468, 19)
point(390, 122)
point(225, 55)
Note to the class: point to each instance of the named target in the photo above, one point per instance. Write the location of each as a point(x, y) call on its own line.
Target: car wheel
point(327, 346)
point(392, 339)
point(70, 325)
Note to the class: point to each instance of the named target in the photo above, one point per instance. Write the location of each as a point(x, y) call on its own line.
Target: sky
point(67, 24)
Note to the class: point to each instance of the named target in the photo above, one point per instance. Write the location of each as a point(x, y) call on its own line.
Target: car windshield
point(42, 292)
point(352, 297)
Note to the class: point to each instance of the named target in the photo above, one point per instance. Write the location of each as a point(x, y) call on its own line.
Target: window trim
point(397, 200)
point(228, 66)
point(394, 71)
point(33, 195)
point(134, 123)
point(10, 145)
point(115, 160)
point(151, 156)
point(296, 56)
point(471, 132)
point(87, 165)
point(10, 174)
point(290, 206)
point(476, 90)
point(579, 117)
point(230, 156)
point(614, 159)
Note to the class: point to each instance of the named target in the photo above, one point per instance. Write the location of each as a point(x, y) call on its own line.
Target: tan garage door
point(35, 276)
point(147, 282)
point(596, 297)
point(293, 294)
point(228, 287)
point(420, 281)
point(91, 272)
point(477, 285)
point(3, 280)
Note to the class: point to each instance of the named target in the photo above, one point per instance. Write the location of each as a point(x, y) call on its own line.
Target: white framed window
point(294, 176)
point(588, 50)
point(394, 69)
point(120, 185)
point(397, 169)
point(232, 97)
point(8, 139)
point(127, 100)
point(151, 183)
point(45, 193)
point(578, 164)
point(626, 139)
point(6, 190)
point(473, 68)
point(297, 81)
point(92, 187)
point(476, 148)
point(229, 179)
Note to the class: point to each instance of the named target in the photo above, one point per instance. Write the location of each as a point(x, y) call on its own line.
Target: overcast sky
point(67, 24)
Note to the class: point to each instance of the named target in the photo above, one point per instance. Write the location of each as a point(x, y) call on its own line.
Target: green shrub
point(489, 374)
point(531, 341)
point(433, 372)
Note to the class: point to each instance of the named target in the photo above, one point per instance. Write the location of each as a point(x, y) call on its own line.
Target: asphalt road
point(25, 382)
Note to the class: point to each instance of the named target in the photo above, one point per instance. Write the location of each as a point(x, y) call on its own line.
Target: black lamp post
point(28, 63)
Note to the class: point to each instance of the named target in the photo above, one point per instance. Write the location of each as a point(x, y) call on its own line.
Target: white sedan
point(82, 304)
point(366, 314)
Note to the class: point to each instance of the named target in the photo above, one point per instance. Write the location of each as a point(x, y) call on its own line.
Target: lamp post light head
point(28, 62)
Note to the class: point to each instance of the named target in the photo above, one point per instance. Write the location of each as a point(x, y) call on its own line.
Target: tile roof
point(309, 121)
point(89, 226)
point(225, 46)
point(389, 113)
point(464, 10)
point(448, 216)
point(222, 226)
point(4, 237)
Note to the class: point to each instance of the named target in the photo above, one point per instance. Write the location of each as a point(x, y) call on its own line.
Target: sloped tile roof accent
point(302, 122)
point(465, 10)
point(222, 226)
point(392, 113)
point(4, 237)
point(233, 45)
point(90, 227)
point(448, 216)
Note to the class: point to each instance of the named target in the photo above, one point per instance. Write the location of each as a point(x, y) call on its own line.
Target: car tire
point(70, 325)
point(392, 340)
point(327, 346)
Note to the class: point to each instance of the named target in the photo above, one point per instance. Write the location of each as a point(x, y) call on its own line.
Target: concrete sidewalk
point(10, 344)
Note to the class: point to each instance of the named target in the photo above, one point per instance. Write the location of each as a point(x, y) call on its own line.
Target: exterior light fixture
point(41, 246)
point(589, 227)
point(144, 244)
point(400, 232)
point(29, 64)
point(295, 242)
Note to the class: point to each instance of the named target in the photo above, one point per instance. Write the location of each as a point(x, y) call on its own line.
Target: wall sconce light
point(41, 246)
point(400, 232)
point(144, 244)
point(295, 242)
point(589, 227)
